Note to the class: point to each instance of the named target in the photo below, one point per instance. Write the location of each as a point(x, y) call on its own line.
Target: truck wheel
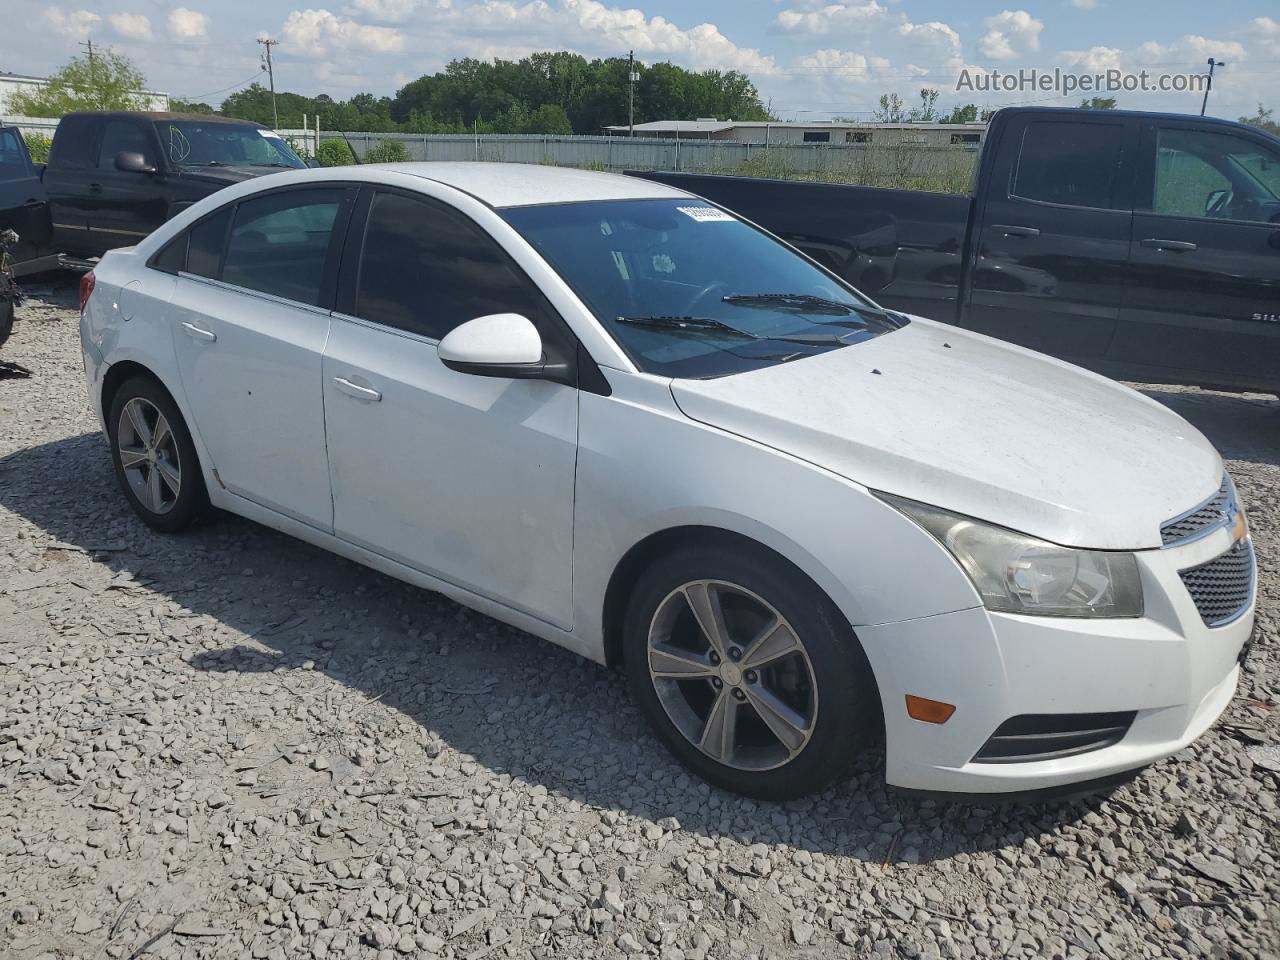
point(6, 320)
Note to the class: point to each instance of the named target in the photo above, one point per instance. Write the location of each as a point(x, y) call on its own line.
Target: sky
point(810, 59)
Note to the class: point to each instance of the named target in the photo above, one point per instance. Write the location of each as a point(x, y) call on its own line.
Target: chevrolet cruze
point(625, 420)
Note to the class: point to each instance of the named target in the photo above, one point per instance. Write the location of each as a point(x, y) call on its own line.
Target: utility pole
point(632, 77)
point(1209, 86)
point(93, 77)
point(268, 43)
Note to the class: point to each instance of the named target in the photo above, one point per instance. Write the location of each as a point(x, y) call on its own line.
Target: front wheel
point(748, 673)
point(154, 458)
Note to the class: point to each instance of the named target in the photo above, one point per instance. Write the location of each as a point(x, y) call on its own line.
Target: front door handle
point(33, 202)
point(198, 333)
point(1016, 230)
point(357, 391)
point(1157, 244)
point(95, 188)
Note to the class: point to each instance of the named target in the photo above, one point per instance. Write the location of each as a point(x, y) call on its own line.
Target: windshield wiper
point(697, 325)
point(806, 301)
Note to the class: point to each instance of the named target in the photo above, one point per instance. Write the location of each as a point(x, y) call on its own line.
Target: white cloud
point(1010, 34)
point(135, 26)
point(313, 33)
point(71, 23)
point(1095, 59)
point(818, 17)
point(394, 11)
point(188, 26)
point(1267, 25)
point(844, 64)
point(1085, 4)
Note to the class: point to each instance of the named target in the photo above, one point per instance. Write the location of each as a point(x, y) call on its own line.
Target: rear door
point(68, 179)
point(23, 206)
point(467, 478)
point(1204, 305)
point(250, 320)
point(124, 206)
point(1052, 242)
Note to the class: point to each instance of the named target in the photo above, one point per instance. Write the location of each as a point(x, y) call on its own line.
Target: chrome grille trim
point(1222, 589)
point(1200, 521)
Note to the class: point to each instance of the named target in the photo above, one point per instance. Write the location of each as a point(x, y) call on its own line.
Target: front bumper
point(1173, 671)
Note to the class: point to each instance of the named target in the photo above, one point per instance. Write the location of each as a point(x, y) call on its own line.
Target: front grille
point(1049, 736)
point(1214, 512)
point(1223, 587)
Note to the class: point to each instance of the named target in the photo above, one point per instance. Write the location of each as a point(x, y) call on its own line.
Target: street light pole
point(271, 77)
point(631, 93)
point(1209, 86)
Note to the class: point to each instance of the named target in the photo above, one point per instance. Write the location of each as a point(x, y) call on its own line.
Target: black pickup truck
point(113, 177)
point(1145, 246)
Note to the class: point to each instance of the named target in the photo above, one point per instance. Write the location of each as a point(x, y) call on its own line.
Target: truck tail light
point(86, 288)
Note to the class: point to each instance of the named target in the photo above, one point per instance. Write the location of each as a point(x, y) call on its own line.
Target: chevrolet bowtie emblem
point(1239, 525)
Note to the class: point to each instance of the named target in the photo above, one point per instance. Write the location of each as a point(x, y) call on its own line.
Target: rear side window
point(279, 243)
point(208, 238)
point(75, 143)
point(426, 270)
point(119, 136)
point(1075, 164)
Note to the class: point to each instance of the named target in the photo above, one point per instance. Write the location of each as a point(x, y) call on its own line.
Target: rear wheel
point(748, 673)
point(154, 458)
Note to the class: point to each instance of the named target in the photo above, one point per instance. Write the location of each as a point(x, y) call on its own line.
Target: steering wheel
point(714, 287)
point(1219, 206)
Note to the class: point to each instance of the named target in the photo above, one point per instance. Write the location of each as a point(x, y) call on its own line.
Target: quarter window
point(207, 240)
point(1076, 164)
point(425, 270)
point(279, 243)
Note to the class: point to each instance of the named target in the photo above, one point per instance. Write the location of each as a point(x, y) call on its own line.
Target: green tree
point(388, 151)
point(1264, 119)
point(927, 112)
point(1098, 103)
point(38, 146)
point(891, 109)
point(549, 118)
point(966, 114)
point(108, 81)
point(189, 106)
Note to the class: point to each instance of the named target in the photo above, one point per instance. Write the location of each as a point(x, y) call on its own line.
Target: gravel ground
point(230, 744)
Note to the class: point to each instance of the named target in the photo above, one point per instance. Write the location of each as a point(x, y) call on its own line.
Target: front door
point(1204, 303)
point(1053, 236)
point(467, 478)
point(124, 206)
point(250, 319)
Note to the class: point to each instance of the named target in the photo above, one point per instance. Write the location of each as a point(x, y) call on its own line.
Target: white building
point(814, 131)
point(11, 83)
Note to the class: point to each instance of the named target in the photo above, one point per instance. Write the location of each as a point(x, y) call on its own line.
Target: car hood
point(978, 427)
point(225, 176)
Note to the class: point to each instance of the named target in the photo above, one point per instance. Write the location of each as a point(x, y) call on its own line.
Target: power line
point(214, 93)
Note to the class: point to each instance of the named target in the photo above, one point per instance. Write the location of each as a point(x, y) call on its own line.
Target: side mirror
point(130, 161)
point(500, 345)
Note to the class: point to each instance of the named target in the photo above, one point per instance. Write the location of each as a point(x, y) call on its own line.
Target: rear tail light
point(86, 288)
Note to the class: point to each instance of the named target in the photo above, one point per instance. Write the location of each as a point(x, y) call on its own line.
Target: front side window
point(425, 270)
point(689, 290)
point(120, 136)
point(1216, 176)
point(1076, 164)
point(193, 143)
point(279, 243)
point(13, 162)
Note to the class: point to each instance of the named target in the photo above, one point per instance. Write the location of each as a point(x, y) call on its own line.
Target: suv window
point(13, 162)
point(426, 270)
point(1076, 164)
point(121, 135)
point(1216, 175)
point(279, 243)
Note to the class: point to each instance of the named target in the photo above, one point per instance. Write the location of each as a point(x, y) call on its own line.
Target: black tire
point(191, 503)
point(6, 320)
point(848, 718)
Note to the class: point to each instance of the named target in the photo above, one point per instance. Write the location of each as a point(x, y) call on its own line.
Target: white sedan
point(629, 422)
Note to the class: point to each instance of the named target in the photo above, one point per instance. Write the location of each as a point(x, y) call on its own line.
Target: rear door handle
point(1157, 244)
point(1015, 230)
point(357, 391)
point(198, 333)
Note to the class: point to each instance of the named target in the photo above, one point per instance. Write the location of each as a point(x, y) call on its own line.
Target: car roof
point(529, 184)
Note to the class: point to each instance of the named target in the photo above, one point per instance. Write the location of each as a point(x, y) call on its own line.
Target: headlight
point(1015, 573)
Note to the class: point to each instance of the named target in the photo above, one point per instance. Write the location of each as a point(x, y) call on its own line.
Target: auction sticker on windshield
point(270, 133)
point(706, 214)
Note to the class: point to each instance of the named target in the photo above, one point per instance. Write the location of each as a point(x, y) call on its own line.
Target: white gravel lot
point(230, 744)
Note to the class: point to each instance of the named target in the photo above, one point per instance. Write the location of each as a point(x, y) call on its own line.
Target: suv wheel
point(748, 673)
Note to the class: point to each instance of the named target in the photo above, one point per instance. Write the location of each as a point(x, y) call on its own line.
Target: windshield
point(190, 143)
point(691, 291)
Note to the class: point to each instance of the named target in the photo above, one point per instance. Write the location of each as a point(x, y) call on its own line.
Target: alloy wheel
point(148, 452)
point(732, 675)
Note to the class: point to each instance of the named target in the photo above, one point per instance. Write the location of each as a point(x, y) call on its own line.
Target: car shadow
point(1243, 426)
point(514, 704)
